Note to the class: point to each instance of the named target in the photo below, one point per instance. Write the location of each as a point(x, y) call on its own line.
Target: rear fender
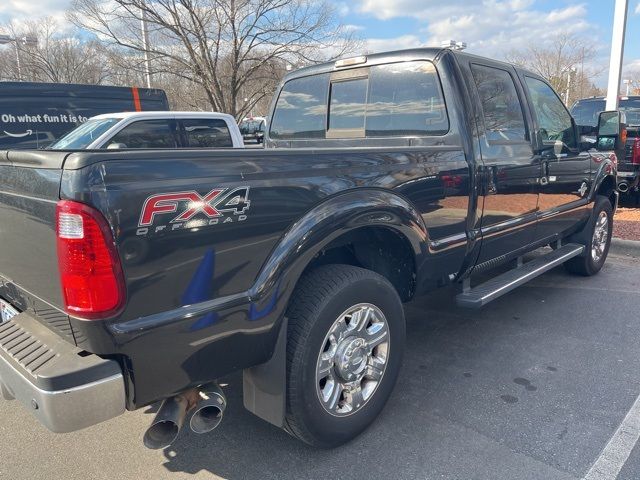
point(265, 385)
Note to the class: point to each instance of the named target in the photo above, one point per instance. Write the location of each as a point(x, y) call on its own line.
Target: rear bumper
point(63, 387)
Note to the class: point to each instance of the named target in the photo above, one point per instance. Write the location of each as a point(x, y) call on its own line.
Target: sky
point(489, 27)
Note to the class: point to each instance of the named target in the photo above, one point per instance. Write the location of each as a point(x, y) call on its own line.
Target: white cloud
point(342, 8)
point(489, 27)
point(637, 10)
point(375, 45)
point(18, 10)
point(352, 28)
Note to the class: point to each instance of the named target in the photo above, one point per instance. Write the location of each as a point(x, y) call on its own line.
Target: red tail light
point(635, 152)
point(90, 270)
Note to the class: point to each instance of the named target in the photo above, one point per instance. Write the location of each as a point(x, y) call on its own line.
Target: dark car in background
point(586, 113)
point(252, 129)
point(34, 115)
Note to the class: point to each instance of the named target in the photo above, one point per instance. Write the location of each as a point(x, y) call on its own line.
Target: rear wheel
point(596, 237)
point(344, 351)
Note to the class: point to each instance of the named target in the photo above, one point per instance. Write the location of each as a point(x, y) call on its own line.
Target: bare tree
point(567, 63)
point(233, 51)
point(55, 57)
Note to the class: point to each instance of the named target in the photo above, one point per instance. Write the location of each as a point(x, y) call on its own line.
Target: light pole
point(617, 53)
point(17, 41)
point(145, 46)
point(571, 71)
point(628, 82)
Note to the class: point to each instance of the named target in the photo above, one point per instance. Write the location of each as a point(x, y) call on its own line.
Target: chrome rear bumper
point(63, 387)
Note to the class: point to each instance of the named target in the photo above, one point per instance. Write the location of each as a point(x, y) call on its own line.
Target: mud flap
point(264, 386)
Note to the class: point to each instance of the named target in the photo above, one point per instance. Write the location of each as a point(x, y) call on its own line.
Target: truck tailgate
point(29, 191)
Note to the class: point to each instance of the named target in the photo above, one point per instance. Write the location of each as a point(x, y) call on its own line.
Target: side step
point(496, 287)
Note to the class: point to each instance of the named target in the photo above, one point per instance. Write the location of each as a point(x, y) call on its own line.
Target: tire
point(318, 305)
point(592, 262)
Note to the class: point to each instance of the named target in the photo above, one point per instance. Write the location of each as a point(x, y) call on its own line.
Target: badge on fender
point(220, 205)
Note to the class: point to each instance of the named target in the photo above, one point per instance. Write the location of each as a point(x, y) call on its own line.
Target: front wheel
point(344, 351)
point(596, 237)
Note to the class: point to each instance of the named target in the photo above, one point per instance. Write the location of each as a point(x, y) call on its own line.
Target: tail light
point(90, 270)
point(635, 152)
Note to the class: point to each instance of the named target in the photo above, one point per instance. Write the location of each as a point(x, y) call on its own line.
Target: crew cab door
point(565, 177)
point(510, 170)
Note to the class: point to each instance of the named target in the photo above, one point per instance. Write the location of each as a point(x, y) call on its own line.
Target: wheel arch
point(363, 216)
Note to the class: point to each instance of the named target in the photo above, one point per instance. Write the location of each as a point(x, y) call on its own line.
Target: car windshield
point(586, 112)
point(83, 135)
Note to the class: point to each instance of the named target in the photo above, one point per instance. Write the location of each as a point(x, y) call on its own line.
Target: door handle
point(544, 179)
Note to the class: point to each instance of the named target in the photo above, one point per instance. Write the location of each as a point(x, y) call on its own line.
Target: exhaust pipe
point(208, 412)
point(623, 187)
point(169, 420)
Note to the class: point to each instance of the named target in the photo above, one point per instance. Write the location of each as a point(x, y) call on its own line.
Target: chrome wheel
point(352, 359)
point(600, 237)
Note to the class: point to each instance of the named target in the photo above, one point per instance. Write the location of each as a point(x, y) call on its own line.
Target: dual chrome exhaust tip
point(207, 403)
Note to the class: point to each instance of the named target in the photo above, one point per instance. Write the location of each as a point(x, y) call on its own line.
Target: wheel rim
point(600, 237)
point(352, 359)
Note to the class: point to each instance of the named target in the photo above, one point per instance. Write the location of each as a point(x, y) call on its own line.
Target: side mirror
point(612, 132)
point(116, 146)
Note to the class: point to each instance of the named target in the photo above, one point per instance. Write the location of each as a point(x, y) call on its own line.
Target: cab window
point(405, 99)
point(554, 120)
point(206, 133)
point(147, 134)
point(501, 108)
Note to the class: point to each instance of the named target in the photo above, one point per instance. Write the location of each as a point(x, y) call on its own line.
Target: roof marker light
point(348, 62)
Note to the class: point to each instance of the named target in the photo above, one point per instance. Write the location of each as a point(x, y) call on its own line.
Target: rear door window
point(147, 134)
point(301, 110)
point(207, 133)
point(501, 107)
point(405, 99)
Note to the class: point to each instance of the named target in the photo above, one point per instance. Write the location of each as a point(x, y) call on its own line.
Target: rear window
point(348, 105)
point(146, 134)
point(207, 133)
point(301, 110)
point(586, 112)
point(401, 99)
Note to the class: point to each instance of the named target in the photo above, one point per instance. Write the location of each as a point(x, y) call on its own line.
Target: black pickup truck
point(133, 276)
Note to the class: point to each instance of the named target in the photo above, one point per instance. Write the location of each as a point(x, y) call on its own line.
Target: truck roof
point(165, 114)
point(427, 53)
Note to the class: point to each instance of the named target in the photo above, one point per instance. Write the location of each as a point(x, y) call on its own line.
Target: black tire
point(320, 298)
point(585, 264)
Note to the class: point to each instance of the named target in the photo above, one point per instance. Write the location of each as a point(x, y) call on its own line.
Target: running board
point(479, 296)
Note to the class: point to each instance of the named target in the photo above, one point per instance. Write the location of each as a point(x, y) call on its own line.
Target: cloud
point(17, 10)
point(353, 28)
point(375, 45)
point(489, 27)
point(342, 8)
point(637, 10)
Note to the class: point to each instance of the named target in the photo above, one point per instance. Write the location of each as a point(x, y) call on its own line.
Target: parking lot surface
point(531, 387)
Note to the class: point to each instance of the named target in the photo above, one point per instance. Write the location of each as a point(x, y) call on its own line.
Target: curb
point(630, 248)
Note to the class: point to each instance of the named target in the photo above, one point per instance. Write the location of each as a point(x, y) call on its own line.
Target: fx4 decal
point(210, 209)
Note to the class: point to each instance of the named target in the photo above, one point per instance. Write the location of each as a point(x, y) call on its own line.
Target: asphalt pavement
point(534, 386)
